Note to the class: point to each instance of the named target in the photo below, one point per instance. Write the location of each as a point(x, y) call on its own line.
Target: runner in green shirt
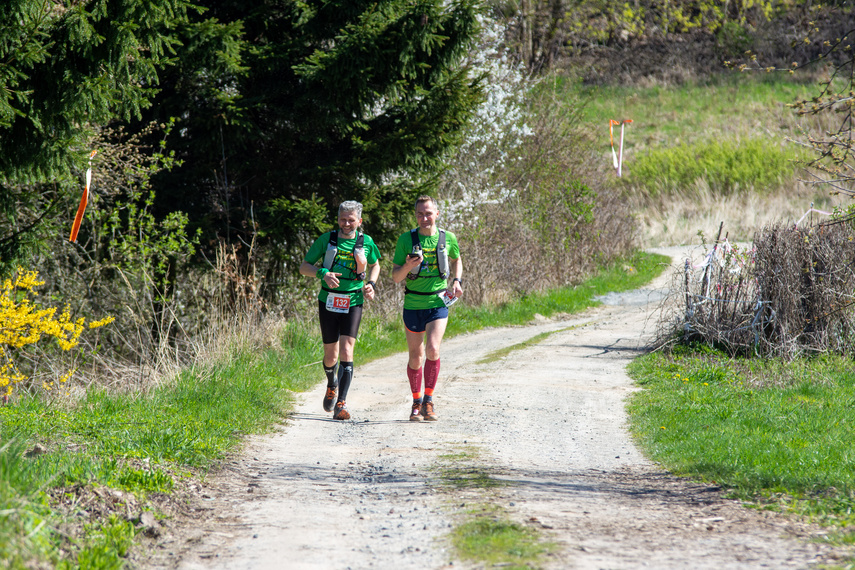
point(433, 282)
point(351, 265)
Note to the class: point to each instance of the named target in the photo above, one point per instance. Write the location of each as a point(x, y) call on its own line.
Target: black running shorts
point(333, 325)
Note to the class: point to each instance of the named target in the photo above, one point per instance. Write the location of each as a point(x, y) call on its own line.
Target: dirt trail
point(548, 419)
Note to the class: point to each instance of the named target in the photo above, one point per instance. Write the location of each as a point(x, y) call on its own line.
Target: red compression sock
point(431, 374)
point(415, 377)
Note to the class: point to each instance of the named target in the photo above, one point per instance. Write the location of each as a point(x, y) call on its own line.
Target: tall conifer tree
point(288, 107)
point(67, 67)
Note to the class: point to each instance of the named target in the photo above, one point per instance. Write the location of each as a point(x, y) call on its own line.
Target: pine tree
point(67, 68)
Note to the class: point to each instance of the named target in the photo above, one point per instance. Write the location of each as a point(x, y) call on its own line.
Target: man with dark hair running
point(351, 265)
point(428, 259)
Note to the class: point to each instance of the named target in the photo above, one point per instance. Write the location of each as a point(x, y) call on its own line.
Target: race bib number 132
point(338, 303)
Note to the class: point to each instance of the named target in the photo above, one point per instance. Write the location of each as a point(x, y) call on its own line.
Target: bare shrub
point(136, 266)
point(536, 224)
point(790, 294)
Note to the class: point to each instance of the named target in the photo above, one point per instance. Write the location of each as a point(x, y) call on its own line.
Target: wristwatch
point(372, 283)
point(458, 279)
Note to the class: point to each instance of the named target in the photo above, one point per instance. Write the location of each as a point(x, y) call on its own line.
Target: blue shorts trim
point(416, 320)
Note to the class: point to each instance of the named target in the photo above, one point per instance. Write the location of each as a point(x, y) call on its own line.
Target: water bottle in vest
point(361, 260)
point(417, 251)
point(329, 256)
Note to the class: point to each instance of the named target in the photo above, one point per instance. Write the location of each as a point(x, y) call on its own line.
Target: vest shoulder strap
point(414, 236)
point(360, 239)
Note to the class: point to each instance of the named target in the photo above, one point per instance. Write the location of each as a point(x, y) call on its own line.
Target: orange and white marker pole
point(612, 124)
point(617, 159)
point(83, 201)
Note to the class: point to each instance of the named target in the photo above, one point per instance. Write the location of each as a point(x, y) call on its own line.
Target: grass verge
point(135, 447)
point(536, 339)
point(486, 532)
point(772, 432)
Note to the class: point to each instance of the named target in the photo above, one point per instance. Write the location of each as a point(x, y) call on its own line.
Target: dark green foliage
point(67, 68)
point(68, 65)
point(315, 102)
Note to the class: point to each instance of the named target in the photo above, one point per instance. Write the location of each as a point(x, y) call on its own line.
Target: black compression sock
point(330, 372)
point(345, 370)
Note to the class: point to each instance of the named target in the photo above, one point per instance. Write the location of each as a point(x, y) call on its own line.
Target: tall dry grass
point(678, 217)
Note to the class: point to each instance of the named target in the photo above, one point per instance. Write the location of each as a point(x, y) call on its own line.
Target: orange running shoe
point(427, 412)
point(341, 412)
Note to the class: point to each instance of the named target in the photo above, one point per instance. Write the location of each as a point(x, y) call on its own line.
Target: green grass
point(536, 339)
point(772, 431)
point(491, 538)
point(729, 130)
point(24, 510)
point(107, 545)
point(725, 165)
point(727, 106)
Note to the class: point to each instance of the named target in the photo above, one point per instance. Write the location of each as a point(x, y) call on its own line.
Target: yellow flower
point(23, 322)
point(101, 323)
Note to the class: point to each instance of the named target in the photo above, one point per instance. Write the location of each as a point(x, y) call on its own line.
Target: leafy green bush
point(725, 165)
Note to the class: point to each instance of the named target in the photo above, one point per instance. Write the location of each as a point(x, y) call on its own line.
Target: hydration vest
point(332, 251)
point(441, 255)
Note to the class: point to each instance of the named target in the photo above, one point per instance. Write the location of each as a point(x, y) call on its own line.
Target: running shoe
point(428, 413)
point(415, 413)
point(329, 398)
point(341, 412)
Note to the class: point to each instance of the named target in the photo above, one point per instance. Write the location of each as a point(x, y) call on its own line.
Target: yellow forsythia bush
point(23, 322)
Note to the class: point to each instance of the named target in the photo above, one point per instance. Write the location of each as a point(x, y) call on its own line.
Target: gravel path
point(548, 420)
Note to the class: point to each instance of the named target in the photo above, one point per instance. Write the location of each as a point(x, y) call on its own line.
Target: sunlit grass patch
point(25, 517)
point(775, 432)
point(725, 165)
point(536, 339)
point(490, 537)
point(106, 546)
